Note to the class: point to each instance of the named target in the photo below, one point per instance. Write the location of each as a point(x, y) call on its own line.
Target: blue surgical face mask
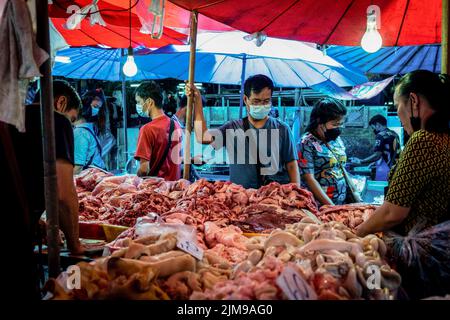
point(140, 111)
point(259, 112)
point(94, 111)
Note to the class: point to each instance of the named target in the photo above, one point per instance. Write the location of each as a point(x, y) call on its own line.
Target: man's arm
point(202, 133)
point(144, 149)
point(293, 172)
point(372, 158)
point(68, 205)
point(144, 168)
point(316, 189)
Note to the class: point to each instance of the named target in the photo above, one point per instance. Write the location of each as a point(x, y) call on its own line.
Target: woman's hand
point(384, 218)
point(359, 231)
point(354, 161)
point(316, 189)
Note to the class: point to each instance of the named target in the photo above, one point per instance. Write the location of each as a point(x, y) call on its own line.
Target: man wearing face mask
point(386, 151)
point(322, 153)
point(29, 154)
point(159, 141)
point(260, 148)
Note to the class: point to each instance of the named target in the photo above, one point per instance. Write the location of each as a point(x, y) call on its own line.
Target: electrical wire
point(129, 20)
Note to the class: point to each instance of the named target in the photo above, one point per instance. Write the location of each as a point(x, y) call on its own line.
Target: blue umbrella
point(96, 63)
point(390, 60)
point(227, 58)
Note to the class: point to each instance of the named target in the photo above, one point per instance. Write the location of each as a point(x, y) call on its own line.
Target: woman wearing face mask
point(94, 110)
point(96, 113)
point(419, 186)
point(88, 150)
point(320, 152)
point(93, 101)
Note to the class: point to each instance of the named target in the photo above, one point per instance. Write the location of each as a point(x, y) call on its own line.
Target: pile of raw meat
point(273, 206)
point(145, 261)
point(332, 261)
point(351, 215)
point(148, 267)
point(121, 200)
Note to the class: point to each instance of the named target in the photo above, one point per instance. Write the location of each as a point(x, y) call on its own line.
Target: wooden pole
point(124, 110)
point(241, 98)
point(190, 100)
point(444, 39)
point(48, 141)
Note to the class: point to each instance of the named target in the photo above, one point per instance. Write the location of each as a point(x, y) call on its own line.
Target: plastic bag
point(152, 225)
point(183, 231)
point(423, 259)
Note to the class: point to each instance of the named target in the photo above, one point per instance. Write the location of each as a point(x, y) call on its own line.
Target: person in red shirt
point(156, 156)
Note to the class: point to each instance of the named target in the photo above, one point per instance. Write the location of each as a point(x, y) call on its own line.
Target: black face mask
point(415, 121)
point(332, 134)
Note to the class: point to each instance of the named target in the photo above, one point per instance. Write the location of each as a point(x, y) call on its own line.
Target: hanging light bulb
point(130, 68)
point(372, 41)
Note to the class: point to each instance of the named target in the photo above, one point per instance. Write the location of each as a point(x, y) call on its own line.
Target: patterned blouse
point(316, 158)
point(421, 181)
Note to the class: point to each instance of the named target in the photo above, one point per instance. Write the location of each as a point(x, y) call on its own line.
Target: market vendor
point(159, 141)
point(29, 153)
point(261, 149)
point(419, 187)
point(386, 151)
point(322, 153)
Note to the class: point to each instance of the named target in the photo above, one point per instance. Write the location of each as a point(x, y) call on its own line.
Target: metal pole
point(241, 101)
point(124, 111)
point(48, 141)
point(296, 97)
point(444, 40)
point(190, 100)
point(279, 105)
